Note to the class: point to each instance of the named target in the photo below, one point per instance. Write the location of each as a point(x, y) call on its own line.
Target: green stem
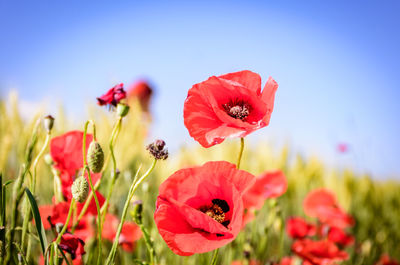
point(114, 135)
point(71, 207)
point(149, 243)
point(86, 168)
point(97, 185)
point(134, 186)
point(33, 187)
point(240, 152)
point(215, 257)
point(54, 249)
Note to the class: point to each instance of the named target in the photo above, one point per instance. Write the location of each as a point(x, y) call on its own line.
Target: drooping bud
point(157, 150)
point(48, 123)
point(80, 189)
point(122, 109)
point(95, 157)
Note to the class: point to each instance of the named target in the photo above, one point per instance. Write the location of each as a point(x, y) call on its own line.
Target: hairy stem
point(133, 188)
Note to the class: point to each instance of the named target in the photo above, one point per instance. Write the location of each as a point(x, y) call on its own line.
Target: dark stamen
point(237, 109)
point(221, 203)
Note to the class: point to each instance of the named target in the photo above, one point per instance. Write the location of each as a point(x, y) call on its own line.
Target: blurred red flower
point(338, 236)
point(386, 260)
point(199, 209)
point(270, 184)
point(142, 91)
point(287, 261)
point(342, 147)
point(66, 152)
point(318, 252)
point(58, 212)
point(230, 105)
point(322, 204)
point(129, 234)
point(297, 227)
point(113, 96)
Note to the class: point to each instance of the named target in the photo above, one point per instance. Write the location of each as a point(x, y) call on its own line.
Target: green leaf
point(38, 221)
point(8, 182)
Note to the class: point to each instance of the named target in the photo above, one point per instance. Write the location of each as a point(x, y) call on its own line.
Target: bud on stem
point(95, 157)
point(80, 189)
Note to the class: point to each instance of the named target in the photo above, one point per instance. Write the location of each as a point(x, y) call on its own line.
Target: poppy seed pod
point(122, 109)
point(95, 157)
point(80, 189)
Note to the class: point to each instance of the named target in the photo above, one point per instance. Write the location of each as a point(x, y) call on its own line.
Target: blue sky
point(337, 64)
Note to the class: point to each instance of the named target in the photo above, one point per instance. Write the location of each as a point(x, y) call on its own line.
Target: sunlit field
point(298, 211)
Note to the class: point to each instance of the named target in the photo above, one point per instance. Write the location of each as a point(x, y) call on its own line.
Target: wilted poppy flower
point(338, 236)
point(113, 96)
point(386, 260)
point(201, 208)
point(318, 252)
point(297, 227)
point(230, 105)
point(129, 234)
point(73, 245)
point(66, 152)
point(142, 91)
point(322, 204)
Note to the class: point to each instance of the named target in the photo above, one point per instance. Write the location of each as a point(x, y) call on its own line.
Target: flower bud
point(95, 157)
point(48, 159)
point(80, 189)
point(122, 109)
point(48, 123)
point(137, 212)
point(59, 227)
point(157, 150)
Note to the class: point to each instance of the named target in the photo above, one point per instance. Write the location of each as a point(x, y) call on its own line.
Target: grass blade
point(38, 221)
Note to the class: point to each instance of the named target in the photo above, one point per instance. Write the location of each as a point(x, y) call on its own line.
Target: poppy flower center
point(216, 210)
point(237, 109)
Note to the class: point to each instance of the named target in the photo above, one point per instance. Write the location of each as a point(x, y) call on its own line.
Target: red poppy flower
point(57, 213)
point(113, 96)
point(73, 245)
point(129, 234)
point(268, 185)
point(201, 208)
point(297, 227)
point(318, 252)
point(322, 204)
point(230, 105)
point(66, 152)
point(338, 236)
point(142, 91)
point(386, 260)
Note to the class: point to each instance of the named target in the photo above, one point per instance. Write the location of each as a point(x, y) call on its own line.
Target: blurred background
point(336, 62)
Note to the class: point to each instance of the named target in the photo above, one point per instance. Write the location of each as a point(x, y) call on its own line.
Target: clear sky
point(337, 64)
